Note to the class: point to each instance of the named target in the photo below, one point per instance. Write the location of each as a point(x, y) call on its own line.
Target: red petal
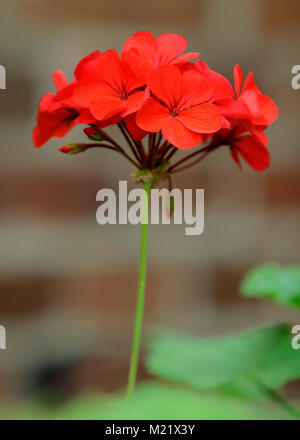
point(85, 117)
point(223, 89)
point(37, 137)
point(170, 46)
point(107, 122)
point(250, 98)
point(180, 136)
point(140, 52)
point(249, 84)
point(257, 133)
point(165, 83)
point(238, 78)
point(49, 125)
point(203, 118)
point(135, 102)
point(110, 68)
point(255, 154)
point(63, 98)
point(45, 102)
point(60, 80)
point(136, 132)
point(196, 88)
point(140, 64)
point(107, 107)
point(184, 58)
point(225, 123)
point(87, 65)
point(235, 109)
point(143, 42)
point(90, 90)
point(269, 111)
point(152, 116)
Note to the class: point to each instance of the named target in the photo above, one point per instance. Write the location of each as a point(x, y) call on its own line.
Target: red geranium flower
point(154, 89)
point(54, 119)
point(223, 91)
point(64, 96)
point(110, 88)
point(144, 52)
point(179, 108)
point(246, 146)
point(248, 115)
point(250, 103)
point(263, 109)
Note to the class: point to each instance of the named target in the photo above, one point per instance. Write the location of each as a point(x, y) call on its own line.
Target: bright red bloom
point(248, 116)
point(179, 107)
point(64, 96)
point(110, 88)
point(223, 91)
point(250, 103)
point(136, 132)
point(263, 109)
point(144, 52)
point(54, 120)
point(152, 87)
point(245, 146)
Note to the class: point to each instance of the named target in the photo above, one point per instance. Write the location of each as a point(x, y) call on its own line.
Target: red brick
point(227, 280)
point(106, 374)
point(282, 190)
point(97, 11)
point(49, 193)
point(16, 99)
point(110, 293)
point(21, 297)
point(281, 15)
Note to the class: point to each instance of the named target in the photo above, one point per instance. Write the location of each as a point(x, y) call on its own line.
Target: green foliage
point(274, 282)
point(231, 377)
point(155, 401)
point(244, 364)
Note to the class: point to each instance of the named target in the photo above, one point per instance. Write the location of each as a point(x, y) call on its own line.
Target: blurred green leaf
point(154, 401)
point(236, 363)
point(274, 282)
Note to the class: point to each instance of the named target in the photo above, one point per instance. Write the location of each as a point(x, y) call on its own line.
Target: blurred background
point(68, 285)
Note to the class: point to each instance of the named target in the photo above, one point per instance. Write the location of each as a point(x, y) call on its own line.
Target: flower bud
point(93, 134)
point(73, 148)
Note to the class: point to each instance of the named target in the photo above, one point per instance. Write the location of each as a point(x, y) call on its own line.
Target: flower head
point(154, 89)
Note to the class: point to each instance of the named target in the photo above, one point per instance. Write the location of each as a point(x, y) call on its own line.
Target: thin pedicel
point(154, 89)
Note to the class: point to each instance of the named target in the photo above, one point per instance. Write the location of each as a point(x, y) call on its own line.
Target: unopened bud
point(94, 134)
point(73, 148)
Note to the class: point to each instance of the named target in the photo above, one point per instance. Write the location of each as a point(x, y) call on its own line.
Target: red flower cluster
point(152, 88)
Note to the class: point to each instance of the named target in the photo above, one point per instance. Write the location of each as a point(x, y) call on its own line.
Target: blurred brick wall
point(67, 284)
point(99, 10)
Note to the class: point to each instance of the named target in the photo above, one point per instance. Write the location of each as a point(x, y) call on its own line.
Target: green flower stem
point(141, 294)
